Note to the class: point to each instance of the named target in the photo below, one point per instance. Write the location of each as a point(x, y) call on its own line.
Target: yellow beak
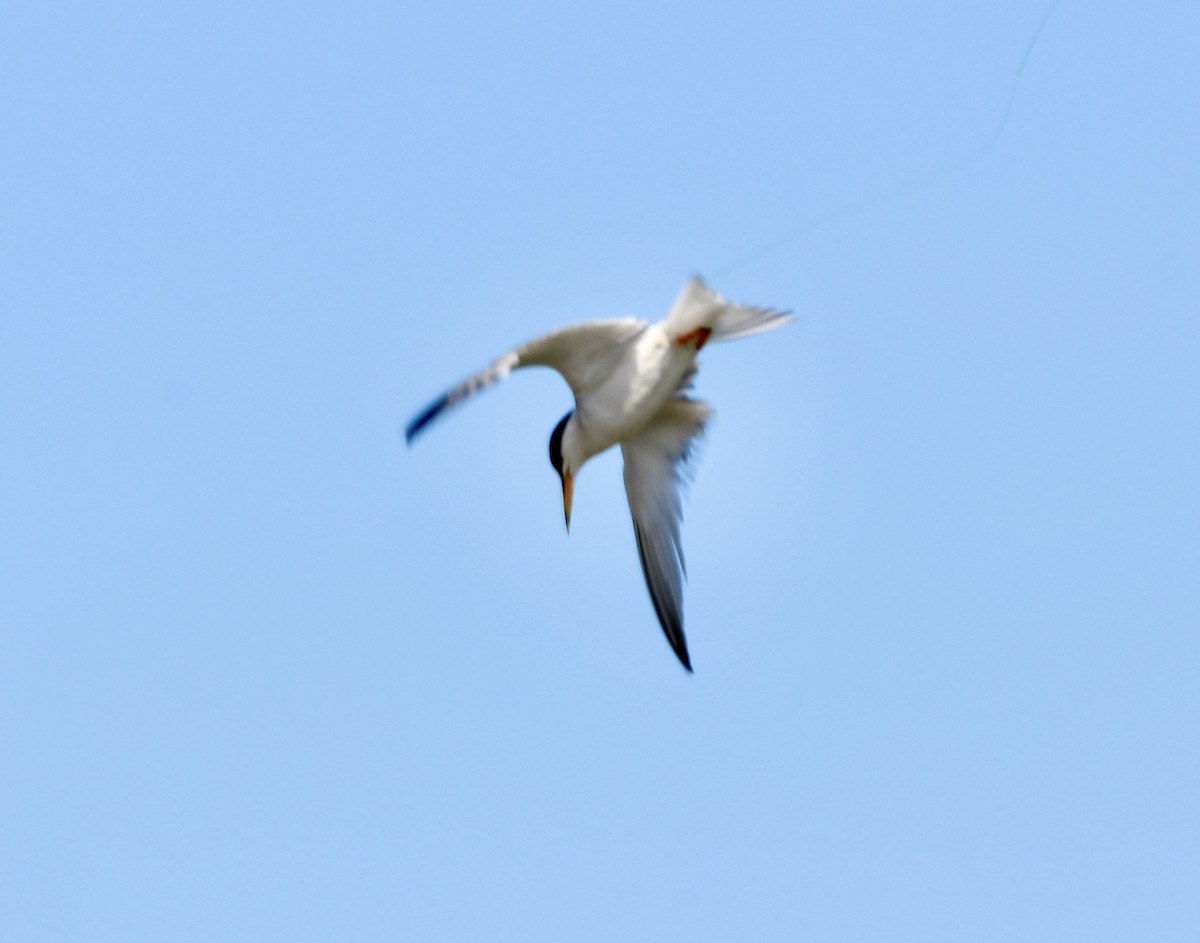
point(568, 493)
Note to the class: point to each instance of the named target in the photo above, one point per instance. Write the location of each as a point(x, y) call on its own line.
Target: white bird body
point(628, 378)
point(649, 372)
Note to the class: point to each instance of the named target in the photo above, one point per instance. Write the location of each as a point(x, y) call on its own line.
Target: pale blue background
point(268, 675)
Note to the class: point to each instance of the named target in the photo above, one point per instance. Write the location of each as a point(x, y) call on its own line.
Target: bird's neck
point(577, 446)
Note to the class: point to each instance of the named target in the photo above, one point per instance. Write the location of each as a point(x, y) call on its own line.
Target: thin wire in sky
point(902, 186)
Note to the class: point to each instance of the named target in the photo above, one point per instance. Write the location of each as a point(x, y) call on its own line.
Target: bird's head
point(565, 471)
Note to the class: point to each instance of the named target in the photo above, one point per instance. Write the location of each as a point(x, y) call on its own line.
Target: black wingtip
point(670, 619)
point(682, 654)
point(677, 640)
point(413, 429)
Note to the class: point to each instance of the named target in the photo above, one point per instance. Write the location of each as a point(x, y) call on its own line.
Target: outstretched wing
point(654, 460)
point(584, 354)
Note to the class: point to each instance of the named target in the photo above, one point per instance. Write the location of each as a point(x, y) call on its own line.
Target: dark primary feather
point(666, 602)
point(427, 415)
point(473, 384)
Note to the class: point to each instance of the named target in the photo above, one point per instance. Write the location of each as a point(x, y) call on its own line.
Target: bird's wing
point(654, 461)
point(698, 306)
point(584, 354)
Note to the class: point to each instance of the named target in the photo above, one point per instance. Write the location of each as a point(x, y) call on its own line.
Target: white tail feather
point(698, 306)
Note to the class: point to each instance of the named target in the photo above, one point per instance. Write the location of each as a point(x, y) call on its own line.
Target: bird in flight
point(629, 379)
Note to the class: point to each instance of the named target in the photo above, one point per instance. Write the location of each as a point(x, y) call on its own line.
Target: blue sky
point(269, 675)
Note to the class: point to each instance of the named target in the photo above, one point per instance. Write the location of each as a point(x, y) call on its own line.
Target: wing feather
point(654, 462)
point(584, 354)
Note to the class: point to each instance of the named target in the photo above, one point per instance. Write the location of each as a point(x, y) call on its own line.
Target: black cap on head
point(556, 437)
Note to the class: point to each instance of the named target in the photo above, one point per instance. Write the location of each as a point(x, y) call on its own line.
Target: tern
point(629, 379)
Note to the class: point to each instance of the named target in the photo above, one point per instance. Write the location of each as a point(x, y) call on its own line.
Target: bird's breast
point(635, 391)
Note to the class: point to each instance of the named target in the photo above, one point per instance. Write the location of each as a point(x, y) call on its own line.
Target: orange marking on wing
point(700, 335)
